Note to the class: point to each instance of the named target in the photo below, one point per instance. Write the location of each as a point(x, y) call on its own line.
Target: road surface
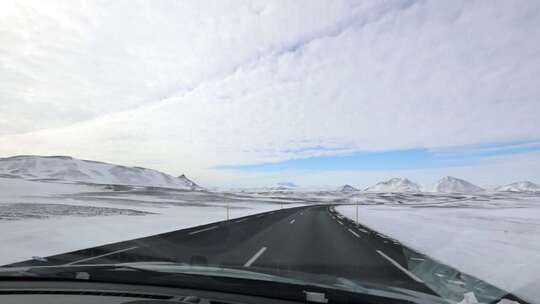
point(312, 239)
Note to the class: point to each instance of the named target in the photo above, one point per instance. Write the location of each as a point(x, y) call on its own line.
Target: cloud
point(63, 62)
point(184, 86)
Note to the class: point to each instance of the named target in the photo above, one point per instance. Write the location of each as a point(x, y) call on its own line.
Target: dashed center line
point(203, 230)
point(340, 222)
point(407, 272)
point(101, 256)
point(291, 222)
point(354, 233)
point(255, 257)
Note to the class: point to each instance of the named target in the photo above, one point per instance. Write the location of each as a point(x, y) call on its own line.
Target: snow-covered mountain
point(394, 185)
point(523, 186)
point(449, 184)
point(287, 185)
point(347, 188)
point(77, 170)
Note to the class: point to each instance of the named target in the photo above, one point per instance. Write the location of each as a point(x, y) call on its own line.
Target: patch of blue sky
point(392, 160)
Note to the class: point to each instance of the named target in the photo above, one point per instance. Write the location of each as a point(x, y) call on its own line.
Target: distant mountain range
point(394, 185)
point(67, 168)
point(347, 188)
point(523, 186)
point(287, 185)
point(447, 184)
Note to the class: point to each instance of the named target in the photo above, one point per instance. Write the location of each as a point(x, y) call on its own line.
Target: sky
point(252, 93)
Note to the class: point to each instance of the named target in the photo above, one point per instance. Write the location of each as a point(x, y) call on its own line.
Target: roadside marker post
point(356, 213)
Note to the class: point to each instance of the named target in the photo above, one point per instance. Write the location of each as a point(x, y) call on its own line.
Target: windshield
point(375, 148)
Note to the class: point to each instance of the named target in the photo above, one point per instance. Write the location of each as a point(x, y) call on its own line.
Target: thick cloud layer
point(194, 85)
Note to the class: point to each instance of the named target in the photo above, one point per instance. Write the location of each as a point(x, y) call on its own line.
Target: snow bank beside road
point(500, 246)
point(42, 219)
point(26, 238)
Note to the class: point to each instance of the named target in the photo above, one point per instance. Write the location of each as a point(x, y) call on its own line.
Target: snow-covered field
point(492, 236)
point(495, 237)
point(44, 218)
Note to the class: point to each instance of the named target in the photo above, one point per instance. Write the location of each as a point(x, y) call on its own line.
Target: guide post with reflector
point(357, 213)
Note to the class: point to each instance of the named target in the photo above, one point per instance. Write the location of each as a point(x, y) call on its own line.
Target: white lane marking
point(355, 234)
point(101, 256)
point(239, 221)
point(340, 222)
point(203, 230)
point(255, 257)
point(410, 274)
point(363, 230)
point(261, 215)
point(416, 259)
point(291, 222)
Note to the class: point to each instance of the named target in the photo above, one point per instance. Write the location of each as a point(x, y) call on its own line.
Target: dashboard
point(68, 292)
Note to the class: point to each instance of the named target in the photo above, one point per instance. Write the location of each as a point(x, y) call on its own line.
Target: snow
point(75, 170)
point(347, 188)
point(523, 186)
point(469, 298)
point(46, 218)
point(287, 185)
point(14, 187)
point(449, 184)
point(496, 240)
point(394, 185)
point(471, 232)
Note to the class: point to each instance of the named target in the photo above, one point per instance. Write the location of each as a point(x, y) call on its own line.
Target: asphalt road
point(312, 239)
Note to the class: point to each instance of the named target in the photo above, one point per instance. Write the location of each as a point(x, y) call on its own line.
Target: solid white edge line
point(101, 256)
point(203, 230)
point(410, 274)
point(355, 234)
point(255, 257)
